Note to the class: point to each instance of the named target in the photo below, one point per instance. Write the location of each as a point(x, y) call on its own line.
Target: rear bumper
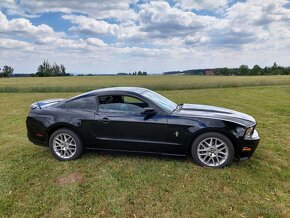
point(248, 146)
point(37, 141)
point(36, 132)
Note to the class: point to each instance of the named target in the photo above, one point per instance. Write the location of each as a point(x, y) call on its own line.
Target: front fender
point(193, 127)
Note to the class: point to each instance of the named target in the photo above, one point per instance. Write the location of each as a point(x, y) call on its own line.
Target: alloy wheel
point(212, 151)
point(64, 145)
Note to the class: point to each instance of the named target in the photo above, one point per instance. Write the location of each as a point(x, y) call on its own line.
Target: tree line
point(135, 73)
point(48, 70)
point(44, 70)
point(243, 70)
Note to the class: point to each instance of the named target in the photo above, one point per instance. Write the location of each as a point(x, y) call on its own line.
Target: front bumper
point(248, 146)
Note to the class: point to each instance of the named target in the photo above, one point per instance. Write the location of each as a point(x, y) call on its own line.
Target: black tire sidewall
point(79, 147)
point(220, 136)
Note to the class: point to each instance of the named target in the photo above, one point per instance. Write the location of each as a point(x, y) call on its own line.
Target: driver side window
point(121, 103)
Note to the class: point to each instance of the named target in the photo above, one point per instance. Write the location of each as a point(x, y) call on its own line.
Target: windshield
point(161, 101)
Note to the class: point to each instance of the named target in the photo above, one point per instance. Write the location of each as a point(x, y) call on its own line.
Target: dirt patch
point(73, 178)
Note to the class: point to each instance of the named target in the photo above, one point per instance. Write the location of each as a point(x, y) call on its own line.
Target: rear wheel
point(212, 149)
point(65, 145)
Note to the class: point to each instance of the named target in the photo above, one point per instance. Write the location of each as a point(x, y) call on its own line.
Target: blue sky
point(111, 36)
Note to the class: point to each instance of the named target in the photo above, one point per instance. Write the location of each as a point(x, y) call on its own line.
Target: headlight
point(249, 131)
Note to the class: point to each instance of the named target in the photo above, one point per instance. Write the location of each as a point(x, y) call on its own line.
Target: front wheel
point(65, 145)
point(212, 149)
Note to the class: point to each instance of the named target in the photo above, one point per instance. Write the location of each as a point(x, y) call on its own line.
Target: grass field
point(33, 183)
point(86, 83)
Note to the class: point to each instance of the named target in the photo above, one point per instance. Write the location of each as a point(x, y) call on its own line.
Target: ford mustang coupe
point(140, 120)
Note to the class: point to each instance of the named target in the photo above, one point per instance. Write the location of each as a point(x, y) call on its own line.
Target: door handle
point(105, 120)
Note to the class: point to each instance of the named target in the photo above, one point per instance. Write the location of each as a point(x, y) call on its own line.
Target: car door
point(120, 125)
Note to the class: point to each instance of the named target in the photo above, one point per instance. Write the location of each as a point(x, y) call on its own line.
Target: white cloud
point(15, 44)
point(60, 43)
point(161, 20)
point(96, 42)
point(258, 13)
point(42, 35)
point(261, 19)
point(8, 4)
point(98, 9)
point(23, 27)
point(156, 36)
point(89, 25)
point(201, 4)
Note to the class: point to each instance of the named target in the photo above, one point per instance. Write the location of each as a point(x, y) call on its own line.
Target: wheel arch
point(58, 126)
point(226, 133)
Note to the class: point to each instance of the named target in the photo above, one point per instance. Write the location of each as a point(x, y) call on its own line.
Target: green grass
point(33, 183)
point(86, 83)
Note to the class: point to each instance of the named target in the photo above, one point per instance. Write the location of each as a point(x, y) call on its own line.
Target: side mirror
point(148, 112)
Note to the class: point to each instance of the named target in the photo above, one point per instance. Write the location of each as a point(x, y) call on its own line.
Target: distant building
point(208, 73)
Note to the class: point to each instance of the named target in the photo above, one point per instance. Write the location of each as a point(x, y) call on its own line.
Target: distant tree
point(224, 71)
point(7, 71)
point(275, 65)
point(62, 70)
point(286, 71)
point(277, 70)
point(244, 70)
point(266, 71)
point(46, 69)
point(257, 70)
point(145, 73)
point(55, 70)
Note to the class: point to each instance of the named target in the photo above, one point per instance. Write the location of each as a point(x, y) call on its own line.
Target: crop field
point(86, 83)
point(103, 184)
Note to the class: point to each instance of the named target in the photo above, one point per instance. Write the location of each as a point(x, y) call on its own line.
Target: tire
point(65, 145)
point(212, 149)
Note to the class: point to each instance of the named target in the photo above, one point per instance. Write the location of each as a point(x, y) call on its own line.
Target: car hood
point(45, 103)
point(206, 111)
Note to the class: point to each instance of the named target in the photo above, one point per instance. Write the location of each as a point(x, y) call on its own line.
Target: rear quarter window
point(87, 103)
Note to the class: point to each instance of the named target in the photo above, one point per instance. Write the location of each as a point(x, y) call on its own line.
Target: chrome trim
point(137, 141)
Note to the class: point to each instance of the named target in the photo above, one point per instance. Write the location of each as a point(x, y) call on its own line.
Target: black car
point(140, 120)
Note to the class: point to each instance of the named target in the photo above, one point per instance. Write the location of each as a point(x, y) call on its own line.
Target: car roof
point(137, 90)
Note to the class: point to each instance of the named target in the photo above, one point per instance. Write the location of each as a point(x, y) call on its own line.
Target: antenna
point(37, 102)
